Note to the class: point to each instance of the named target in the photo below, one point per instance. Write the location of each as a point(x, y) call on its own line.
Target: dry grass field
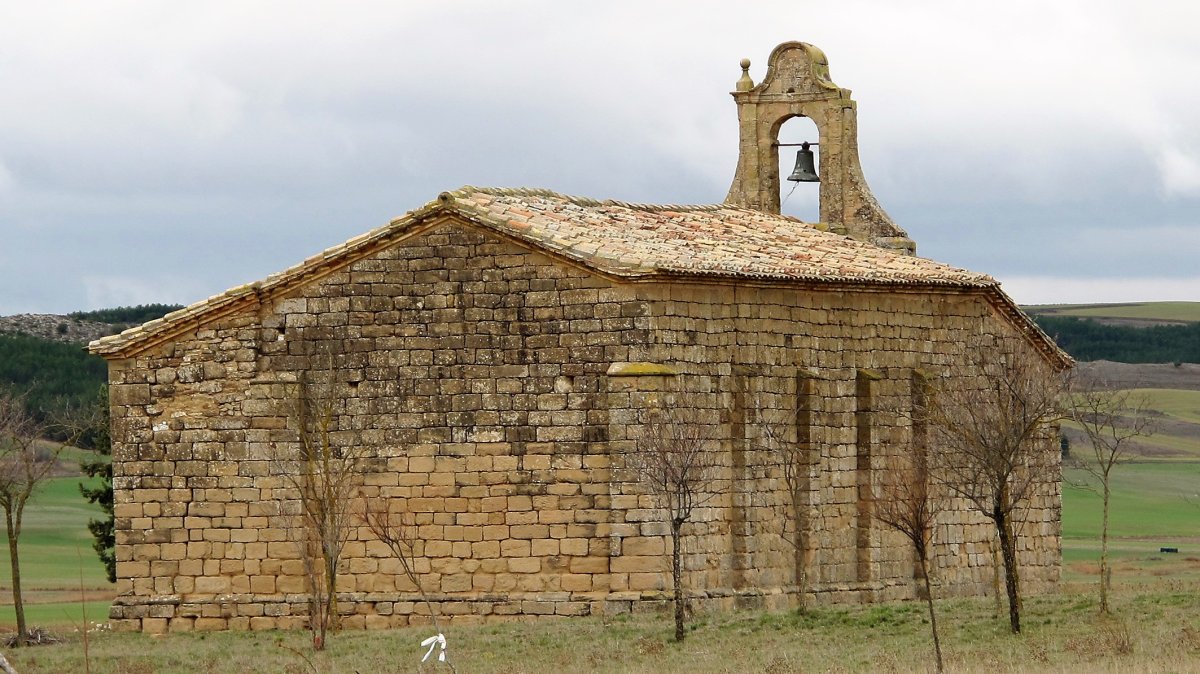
point(1156, 629)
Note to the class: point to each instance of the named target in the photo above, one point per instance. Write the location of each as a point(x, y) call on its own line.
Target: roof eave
point(1030, 330)
point(142, 337)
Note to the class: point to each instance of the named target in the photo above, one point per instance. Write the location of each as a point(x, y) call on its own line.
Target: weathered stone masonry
point(490, 377)
point(495, 351)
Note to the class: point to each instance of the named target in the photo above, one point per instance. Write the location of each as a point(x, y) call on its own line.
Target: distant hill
point(81, 327)
point(42, 355)
point(55, 328)
point(1146, 332)
point(1133, 314)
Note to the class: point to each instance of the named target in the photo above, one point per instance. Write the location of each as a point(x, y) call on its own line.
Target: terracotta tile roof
point(637, 239)
point(632, 241)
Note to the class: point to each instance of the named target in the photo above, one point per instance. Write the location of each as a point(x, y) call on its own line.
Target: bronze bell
point(805, 171)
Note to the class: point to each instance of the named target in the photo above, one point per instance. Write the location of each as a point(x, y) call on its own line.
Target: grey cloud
point(197, 147)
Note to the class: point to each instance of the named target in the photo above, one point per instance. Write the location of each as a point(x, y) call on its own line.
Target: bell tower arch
point(797, 84)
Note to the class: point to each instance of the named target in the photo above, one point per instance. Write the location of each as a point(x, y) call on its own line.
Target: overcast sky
point(165, 151)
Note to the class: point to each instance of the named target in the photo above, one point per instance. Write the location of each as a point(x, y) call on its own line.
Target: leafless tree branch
point(1111, 419)
point(905, 504)
point(399, 533)
point(325, 473)
point(991, 420)
point(675, 463)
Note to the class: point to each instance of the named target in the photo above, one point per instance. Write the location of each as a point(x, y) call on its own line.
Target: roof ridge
point(639, 206)
point(588, 201)
point(520, 192)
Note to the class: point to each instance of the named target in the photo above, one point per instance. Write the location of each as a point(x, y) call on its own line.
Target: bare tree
point(990, 420)
point(398, 532)
point(905, 504)
point(1111, 419)
point(25, 463)
point(325, 474)
point(792, 452)
point(674, 462)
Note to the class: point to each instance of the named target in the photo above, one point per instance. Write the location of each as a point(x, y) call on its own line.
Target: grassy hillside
point(1174, 404)
point(1155, 500)
point(1176, 435)
point(1158, 312)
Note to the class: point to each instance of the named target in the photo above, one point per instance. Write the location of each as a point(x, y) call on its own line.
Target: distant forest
point(1089, 340)
point(56, 375)
point(52, 375)
point(130, 315)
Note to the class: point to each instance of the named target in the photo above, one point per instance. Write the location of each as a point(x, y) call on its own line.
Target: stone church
point(495, 351)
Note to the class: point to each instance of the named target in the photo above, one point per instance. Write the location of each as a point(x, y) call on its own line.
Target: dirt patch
point(31, 597)
point(1185, 376)
point(1138, 322)
point(1081, 449)
point(1085, 568)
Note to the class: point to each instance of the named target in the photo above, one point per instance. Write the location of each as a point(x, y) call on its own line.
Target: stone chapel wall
point(480, 375)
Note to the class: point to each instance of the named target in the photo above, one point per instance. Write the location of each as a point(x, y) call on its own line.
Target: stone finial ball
point(745, 63)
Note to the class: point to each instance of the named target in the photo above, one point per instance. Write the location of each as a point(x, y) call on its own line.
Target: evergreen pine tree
point(101, 466)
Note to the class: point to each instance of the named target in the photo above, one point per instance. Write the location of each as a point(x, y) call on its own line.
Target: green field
point(1172, 312)
point(1176, 434)
point(1155, 500)
point(1150, 501)
point(1174, 403)
point(56, 548)
point(1154, 632)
